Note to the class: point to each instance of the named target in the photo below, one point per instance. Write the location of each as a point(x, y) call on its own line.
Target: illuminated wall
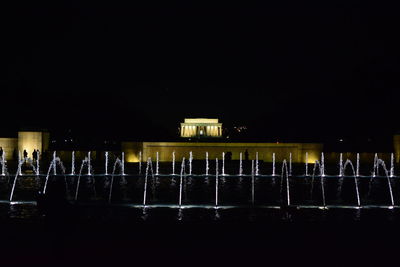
point(182, 149)
point(8, 145)
point(32, 140)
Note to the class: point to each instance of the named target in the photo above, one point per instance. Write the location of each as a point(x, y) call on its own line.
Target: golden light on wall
point(131, 157)
point(29, 141)
point(312, 157)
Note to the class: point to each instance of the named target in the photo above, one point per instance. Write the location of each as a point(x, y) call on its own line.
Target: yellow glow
point(201, 120)
point(29, 141)
point(131, 157)
point(312, 158)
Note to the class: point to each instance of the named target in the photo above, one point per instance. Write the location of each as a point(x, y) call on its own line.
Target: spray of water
point(216, 183)
point(117, 162)
point(349, 163)
point(273, 164)
point(285, 173)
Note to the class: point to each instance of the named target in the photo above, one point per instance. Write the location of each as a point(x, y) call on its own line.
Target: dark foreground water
point(249, 227)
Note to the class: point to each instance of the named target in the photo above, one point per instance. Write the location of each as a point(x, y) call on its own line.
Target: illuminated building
point(200, 128)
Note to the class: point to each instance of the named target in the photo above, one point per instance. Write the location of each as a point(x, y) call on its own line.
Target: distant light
point(340, 140)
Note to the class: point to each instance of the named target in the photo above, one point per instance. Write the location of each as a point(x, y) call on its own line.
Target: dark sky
point(290, 68)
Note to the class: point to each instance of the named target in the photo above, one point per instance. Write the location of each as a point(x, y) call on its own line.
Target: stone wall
point(182, 149)
point(8, 145)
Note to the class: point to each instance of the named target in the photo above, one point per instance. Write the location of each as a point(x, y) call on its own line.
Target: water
point(273, 164)
point(157, 164)
point(73, 163)
point(3, 164)
point(358, 165)
point(88, 163)
point(190, 162)
point(173, 163)
point(106, 163)
point(392, 165)
point(223, 163)
point(123, 163)
point(118, 162)
point(285, 174)
point(216, 182)
point(207, 164)
point(257, 167)
point(349, 163)
point(38, 164)
point(230, 192)
point(240, 164)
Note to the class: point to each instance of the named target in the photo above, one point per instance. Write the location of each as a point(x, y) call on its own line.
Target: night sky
point(287, 70)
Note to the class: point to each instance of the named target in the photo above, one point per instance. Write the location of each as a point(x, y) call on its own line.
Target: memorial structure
point(201, 128)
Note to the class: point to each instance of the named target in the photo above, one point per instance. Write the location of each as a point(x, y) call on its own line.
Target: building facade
point(201, 128)
point(25, 140)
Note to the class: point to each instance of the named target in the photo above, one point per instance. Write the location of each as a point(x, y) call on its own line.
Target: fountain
point(216, 183)
point(89, 165)
point(273, 164)
point(157, 161)
point(358, 165)
point(73, 163)
point(240, 164)
point(257, 167)
point(54, 160)
point(37, 164)
point(3, 164)
point(287, 187)
point(148, 169)
point(285, 171)
point(319, 166)
point(349, 163)
point(392, 165)
point(173, 163)
point(223, 163)
point(376, 169)
point(123, 163)
point(380, 162)
point(106, 164)
point(117, 162)
point(207, 166)
point(19, 160)
point(85, 161)
point(53, 165)
point(290, 164)
point(322, 164)
point(190, 162)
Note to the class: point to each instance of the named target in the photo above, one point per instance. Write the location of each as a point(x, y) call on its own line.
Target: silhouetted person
point(228, 156)
point(246, 155)
point(34, 155)
point(25, 154)
point(1, 151)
